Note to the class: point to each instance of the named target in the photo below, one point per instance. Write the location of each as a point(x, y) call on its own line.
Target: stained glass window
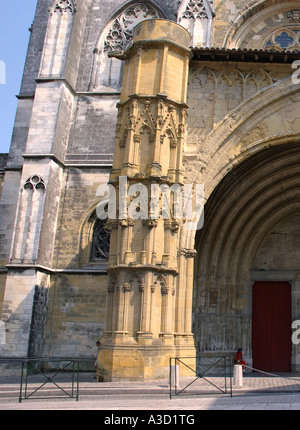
point(101, 242)
point(283, 40)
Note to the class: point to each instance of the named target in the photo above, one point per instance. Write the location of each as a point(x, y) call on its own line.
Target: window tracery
point(196, 9)
point(117, 36)
point(35, 182)
point(101, 242)
point(284, 39)
point(63, 6)
point(196, 17)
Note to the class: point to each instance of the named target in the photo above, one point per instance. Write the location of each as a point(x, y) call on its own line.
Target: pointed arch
point(197, 18)
point(63, 6)
point(94, 241)
point(107, 72)
point(58, 33)
point(258, 21)
point(100, 242)
point(255, 81)
point(25, 244)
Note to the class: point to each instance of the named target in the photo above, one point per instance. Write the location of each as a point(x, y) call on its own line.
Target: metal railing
point(224, 364)
point(43, 368)
point(48, 378)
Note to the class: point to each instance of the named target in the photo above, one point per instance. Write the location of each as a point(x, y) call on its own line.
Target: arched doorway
point(251, 234)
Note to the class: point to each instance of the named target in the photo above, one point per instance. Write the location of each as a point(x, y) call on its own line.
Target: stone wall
point(76, 314)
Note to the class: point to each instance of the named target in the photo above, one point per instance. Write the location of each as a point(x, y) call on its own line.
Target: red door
point(271, 326)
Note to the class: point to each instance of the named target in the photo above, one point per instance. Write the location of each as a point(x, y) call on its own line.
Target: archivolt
point(247, 204)
point(249, 18)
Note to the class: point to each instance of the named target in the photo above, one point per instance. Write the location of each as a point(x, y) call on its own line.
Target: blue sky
point(15, 19)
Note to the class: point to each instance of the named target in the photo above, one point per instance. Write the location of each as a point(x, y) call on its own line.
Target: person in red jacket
point(238, 358)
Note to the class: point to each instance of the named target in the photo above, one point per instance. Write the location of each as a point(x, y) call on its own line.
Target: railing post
point(77, 394)
point(170, 378)
point(21, 382)
point(174, 375)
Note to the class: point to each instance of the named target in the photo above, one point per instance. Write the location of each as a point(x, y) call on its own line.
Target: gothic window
point(196, 17)
point(57, 38)
point(101, 242)
point(29, 220)
point(117, 36)
point(196, 9)
point(286, 39)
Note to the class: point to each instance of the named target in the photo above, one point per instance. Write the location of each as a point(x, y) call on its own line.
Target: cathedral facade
point(129, 113)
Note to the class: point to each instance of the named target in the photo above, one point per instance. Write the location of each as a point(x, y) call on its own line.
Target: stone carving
point(64, 6)
point(151, 223)
point(223, 91)
point(145, 123)
point(161, 282)
point(258, 79)
point(152, 131)
point(148, 122)
point(189, 253)
point(127, 288)
point(196, 9)
point(114, 40)
point(196, 17)
point(35, 182)
point(170, 128)
point(135, 279)
point(294, 16)
point(120, 34)
point(172, 225)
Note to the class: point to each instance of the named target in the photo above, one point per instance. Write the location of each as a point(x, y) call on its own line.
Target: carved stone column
point(149, 145)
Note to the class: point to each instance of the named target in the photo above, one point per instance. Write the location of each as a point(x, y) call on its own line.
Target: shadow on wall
point(60, 316)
